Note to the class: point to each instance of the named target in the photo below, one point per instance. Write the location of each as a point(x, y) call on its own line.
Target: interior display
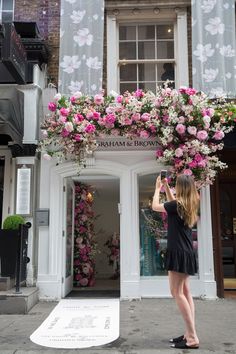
point(84, 246)
point(113, 243)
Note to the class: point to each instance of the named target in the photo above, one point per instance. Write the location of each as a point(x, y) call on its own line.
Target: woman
point(180, 262)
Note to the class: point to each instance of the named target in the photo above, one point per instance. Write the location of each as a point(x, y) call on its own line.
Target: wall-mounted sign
point(42, 217)
point(118, 144)
point(23, 191)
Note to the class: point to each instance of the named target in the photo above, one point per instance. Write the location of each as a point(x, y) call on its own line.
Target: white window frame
point(7, 11)
point(179, 20)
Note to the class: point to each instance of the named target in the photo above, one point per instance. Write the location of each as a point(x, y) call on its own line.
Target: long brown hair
point(187, 199)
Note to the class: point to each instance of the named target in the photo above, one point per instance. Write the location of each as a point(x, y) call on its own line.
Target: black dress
point(180, 256)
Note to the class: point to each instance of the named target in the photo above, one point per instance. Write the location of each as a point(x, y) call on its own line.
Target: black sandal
point(177, 339)
point(184, 345)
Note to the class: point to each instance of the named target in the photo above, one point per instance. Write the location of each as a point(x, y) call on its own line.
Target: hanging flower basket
point(188, 126)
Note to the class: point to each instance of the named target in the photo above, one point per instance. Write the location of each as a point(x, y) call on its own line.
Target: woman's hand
point(158, 182)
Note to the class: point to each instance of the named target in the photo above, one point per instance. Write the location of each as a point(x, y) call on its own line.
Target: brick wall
point(47, 15)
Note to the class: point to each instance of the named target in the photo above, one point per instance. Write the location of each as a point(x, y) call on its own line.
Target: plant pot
point(8, 252)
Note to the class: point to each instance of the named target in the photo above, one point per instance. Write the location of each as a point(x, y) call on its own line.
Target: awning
point(11, 114)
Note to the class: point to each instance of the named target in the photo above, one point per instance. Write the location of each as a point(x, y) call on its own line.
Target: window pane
point(147, 86)
point(146, 72)
point(7, 5)
point(146, 50)
point(128, 72)
point(146, 32)
point(7, 16)
point(153, 233)
point(165, 50)
point(165, 31)
point(128, 87)
point(127, 50)
point(165, 71)
point(127, 33)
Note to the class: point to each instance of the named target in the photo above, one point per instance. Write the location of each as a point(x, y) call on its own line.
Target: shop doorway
point(2, 169)
point(92, 236)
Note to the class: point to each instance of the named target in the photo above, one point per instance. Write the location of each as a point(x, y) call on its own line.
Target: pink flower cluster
point(188, 127)
point(84, 266)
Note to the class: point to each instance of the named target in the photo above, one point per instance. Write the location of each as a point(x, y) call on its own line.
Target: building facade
point(145, 44)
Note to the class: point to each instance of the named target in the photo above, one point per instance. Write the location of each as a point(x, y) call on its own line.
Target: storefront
point(130, 172)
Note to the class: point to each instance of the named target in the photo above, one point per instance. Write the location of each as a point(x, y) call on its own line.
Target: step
point(18, 303)
point(6, 283)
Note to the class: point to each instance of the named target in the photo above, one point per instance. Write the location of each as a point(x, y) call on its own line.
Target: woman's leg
point(188, 295)
point(177, 281)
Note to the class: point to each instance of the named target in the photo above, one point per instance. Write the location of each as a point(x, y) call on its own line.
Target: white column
point(112, 55)
point(182, 48)
point(205, 246)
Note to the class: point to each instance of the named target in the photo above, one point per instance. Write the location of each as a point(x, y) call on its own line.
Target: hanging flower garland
point(187, 125)
point(84, 250)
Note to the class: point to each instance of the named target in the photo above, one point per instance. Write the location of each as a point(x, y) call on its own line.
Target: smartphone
point(163, 174)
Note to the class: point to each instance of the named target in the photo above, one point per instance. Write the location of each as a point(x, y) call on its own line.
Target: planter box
point(8, 252)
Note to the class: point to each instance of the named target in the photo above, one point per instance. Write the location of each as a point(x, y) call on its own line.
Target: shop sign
point(23, 191)
point(119, 144)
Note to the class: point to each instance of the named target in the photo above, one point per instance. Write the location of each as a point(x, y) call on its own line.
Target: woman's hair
point(187, 199)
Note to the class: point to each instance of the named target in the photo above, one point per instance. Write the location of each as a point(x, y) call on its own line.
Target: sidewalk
point(145, 328)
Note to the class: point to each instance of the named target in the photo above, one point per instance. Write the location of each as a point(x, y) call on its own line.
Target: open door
point(68, 237)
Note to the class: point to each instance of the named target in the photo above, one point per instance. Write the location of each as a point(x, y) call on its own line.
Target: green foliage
point(12, 222)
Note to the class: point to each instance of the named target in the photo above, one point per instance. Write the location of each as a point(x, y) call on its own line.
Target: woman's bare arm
point(156, 205)
point(169, 194)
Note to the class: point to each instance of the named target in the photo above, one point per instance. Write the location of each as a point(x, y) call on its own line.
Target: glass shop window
point(146, 56)
point(153, 230)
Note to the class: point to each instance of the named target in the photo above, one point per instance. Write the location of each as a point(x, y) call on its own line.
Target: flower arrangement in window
point(113, 243)
point(85, 246)
point(187, 125)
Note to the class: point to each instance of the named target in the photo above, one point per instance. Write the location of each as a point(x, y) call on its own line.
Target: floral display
point(84, 248)
point(113, 243)
point(187, 125)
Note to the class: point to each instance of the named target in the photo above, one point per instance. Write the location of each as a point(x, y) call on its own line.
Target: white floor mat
point(80, 324)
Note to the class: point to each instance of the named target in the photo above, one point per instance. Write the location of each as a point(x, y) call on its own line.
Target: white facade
point(127, 166)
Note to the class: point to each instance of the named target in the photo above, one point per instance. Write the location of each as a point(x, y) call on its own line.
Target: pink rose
point(180, 128)
point(69, 127)
point(193, 164)
point(90, 129)
point(110, 120)
point(77, 137)
point(139, 93)
point(187, 172)
point(98, 99)
point(62, 119)
point(96, 115)
point(219, 134)
point(202, 163)
point(65, 133)
point(83, 281)
point(136, 117)
point(52, 106)
point(190, 91)
point(178, 152)
point(198, 157)
point(181, 119)
point(192, 130)
point(202, 135)
point(79, 117)
point(64, 112)
point(144, 134)
point(119, 99)
point(159, 153)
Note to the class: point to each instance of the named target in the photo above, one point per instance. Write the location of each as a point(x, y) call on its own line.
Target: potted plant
point(9, 236)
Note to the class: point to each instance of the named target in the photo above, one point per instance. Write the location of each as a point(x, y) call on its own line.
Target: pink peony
point(98, 99)
point(192, 130)
point(64, 112)
point(181, 119)
point(193, 164)
point(145, 117)
point(159, 153)
point(139, 93)
point(202, 135)
point(65, 133)
point(136, 117)
point(178, 152)
point(198, 157)
point(52, 106)
point(78, 117)
point(180, 128)
point(62, 119)
point(96, 115)
point(110, 120)
point(144, 134)
point(90, 129)
point(202, 163)
point(219, 134)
